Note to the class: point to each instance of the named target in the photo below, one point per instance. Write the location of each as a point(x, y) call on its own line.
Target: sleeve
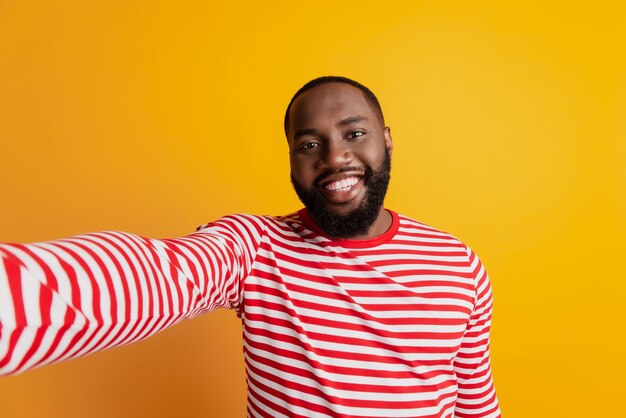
point(71, 297)
point(476, 393)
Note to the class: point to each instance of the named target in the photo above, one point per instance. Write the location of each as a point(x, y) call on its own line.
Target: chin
point(342, 209)
point(349, 220)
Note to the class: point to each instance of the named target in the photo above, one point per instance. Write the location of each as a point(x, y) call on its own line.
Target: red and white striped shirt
point(395, 326)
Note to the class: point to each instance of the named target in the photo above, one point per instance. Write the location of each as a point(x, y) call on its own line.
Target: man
point(348, 309)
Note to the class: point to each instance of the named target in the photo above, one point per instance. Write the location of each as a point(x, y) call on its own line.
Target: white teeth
point(341, 185)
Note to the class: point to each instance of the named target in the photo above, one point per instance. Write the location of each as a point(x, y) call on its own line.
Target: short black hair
point(369, 96)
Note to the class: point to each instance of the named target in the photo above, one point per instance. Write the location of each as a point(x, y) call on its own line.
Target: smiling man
point(348, 309)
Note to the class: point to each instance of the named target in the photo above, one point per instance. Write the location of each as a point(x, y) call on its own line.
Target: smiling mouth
point(341, 185)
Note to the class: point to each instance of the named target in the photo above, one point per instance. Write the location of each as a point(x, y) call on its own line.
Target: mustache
point(365, 171)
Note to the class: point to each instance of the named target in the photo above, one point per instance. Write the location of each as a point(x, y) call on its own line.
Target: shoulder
point(436, 240)
point(412, 229)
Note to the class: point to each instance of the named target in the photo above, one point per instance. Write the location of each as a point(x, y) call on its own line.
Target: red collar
point(354, 243)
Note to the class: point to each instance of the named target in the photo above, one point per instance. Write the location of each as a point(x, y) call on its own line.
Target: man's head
point(340, 156)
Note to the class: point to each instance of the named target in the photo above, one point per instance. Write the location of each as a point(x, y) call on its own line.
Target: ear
point(388, 141)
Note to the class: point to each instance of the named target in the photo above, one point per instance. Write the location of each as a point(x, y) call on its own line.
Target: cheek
point(302, 171)
point(374, 156)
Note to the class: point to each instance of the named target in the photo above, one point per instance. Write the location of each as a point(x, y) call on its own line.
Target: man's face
point(340, 158)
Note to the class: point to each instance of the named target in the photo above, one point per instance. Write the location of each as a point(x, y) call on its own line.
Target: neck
point(381, 224)
point(379, 227)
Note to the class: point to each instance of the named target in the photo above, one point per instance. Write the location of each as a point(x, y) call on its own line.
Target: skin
point(333, 135)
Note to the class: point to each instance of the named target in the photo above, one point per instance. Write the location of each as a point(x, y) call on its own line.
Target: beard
point(360, 219)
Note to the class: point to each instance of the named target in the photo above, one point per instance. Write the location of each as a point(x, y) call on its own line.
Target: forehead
point(328, 104)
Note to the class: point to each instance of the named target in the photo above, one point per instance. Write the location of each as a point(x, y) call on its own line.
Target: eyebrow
point(351, 119)
point(302, 132)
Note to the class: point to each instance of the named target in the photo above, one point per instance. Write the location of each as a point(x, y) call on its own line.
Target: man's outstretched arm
point(67, 298)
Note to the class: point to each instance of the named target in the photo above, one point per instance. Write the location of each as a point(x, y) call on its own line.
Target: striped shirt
point(394, 326)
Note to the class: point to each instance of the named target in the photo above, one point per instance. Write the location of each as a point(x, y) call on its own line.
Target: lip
point(343, 195)
point(338, 177)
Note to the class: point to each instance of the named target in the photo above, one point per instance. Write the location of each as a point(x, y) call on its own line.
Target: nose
point(337, 154)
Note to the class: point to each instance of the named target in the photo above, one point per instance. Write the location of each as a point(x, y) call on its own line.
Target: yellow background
point(509, 125)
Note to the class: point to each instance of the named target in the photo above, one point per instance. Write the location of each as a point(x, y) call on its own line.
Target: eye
point(308, 145)
point(355, 134)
